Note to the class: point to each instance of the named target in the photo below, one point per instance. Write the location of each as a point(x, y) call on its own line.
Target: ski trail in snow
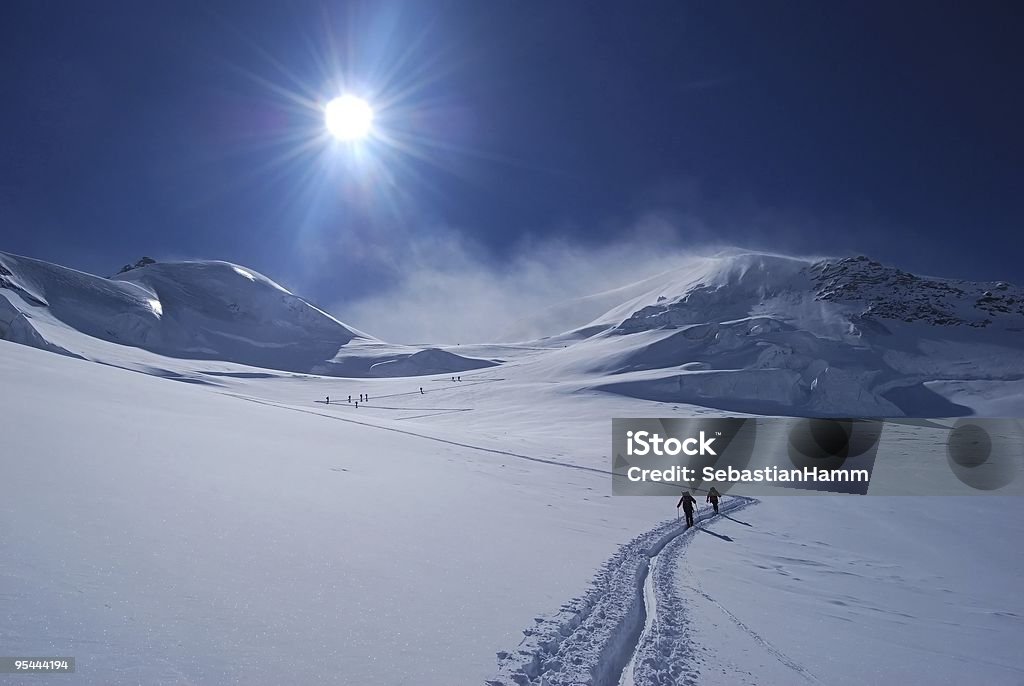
point(666, 653)
point(436, 413)
point(496, 451)
point(758, 638)
point(650, 621)
point(437, 439)
point(594, 639)
point(663, 654)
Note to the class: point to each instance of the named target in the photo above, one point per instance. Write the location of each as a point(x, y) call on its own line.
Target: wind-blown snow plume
point(446, 290)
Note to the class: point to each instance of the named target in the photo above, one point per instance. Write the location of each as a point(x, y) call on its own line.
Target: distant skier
point(688, 503)
point(460, 378)
point(328, 400)
point(350, 398)
point(421, 390)
point(713, 496)
point(357, 404)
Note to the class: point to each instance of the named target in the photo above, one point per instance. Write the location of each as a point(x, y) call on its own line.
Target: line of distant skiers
point(365, 397)
point(689, 504)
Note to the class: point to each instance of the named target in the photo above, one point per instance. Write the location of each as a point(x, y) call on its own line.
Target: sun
point(348, 118)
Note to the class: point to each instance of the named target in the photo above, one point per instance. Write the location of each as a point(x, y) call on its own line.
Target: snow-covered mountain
point(739, 331)
point(773, 334)
point(197, 310)
point(861, 290)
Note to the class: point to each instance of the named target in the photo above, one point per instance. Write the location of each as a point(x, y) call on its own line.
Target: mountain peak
point(883, 292)
point(141, 263)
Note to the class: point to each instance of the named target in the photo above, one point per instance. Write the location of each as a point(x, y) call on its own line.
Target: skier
point(357, 404)
point(350, 398)
point(460, 378)
point(713, 496)
point(688, 502)
point(328, 400)
point(421, 390)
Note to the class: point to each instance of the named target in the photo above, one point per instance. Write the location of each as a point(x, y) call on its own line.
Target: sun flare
point(348, 118)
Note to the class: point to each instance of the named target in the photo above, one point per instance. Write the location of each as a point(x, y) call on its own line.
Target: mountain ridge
point(198, 309)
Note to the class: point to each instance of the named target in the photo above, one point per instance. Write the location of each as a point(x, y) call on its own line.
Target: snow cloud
point(445, 289)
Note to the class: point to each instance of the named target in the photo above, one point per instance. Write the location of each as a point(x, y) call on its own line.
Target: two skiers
point(688, 503)
point(713, 496)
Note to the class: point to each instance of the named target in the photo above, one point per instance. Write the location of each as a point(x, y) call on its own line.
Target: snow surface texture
point(236, 527)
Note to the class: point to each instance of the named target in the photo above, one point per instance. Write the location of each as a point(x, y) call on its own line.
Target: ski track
point(496, 451)
point(433, 411)
point(760, 640)
point(594, 638)
point(650, 619)
point(667, 656)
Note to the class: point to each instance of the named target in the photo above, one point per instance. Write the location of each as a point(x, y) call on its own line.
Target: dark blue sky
point(166, 129)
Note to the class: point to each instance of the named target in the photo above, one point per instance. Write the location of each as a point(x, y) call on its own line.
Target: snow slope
point(173, 533)
point(876, 604)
